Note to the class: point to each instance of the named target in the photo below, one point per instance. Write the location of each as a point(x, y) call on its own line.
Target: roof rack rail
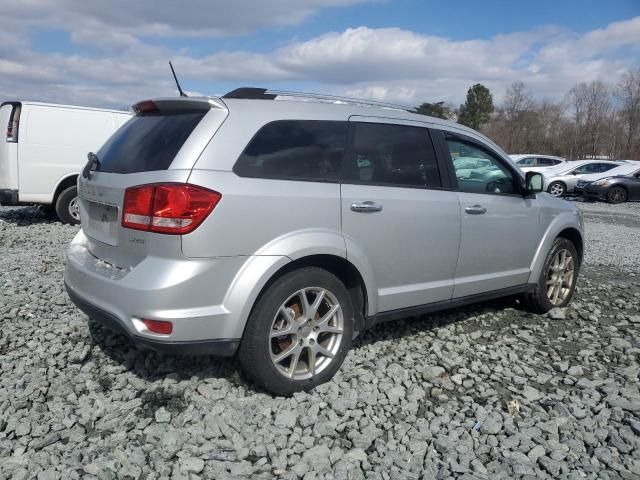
point(268, 94)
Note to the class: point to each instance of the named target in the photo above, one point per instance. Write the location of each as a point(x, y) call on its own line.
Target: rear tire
point(554, 288)
point(67, 206)
point(557, 189)
point(319, 338)
point(616, 195)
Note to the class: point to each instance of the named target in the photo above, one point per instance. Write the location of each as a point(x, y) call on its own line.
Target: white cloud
point(389, 64)
point(164, 18)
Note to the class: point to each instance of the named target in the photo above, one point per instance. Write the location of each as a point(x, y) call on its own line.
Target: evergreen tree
point(476, 110)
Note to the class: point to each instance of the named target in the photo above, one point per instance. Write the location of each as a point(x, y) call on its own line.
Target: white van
point(45, 149)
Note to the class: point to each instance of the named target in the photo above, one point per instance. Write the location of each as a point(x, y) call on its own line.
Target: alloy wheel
point(74, 209)
point(306, 333)
point(617, 195)
point(560, 277)
point(556, 189)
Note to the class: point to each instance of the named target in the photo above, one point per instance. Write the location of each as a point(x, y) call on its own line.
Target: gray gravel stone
point(429, 397)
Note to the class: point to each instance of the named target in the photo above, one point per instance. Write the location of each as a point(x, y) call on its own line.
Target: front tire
point(557, 189)
point(299, 332)
point(616, 195)
point(67, 206)
point(557, 281)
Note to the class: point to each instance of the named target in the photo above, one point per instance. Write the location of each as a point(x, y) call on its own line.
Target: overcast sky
point(113, 53)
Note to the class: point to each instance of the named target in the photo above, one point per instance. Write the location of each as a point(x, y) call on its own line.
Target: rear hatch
point(9, 124)
point(160, 144)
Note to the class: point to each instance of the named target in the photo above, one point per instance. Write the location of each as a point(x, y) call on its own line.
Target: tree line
point(592, 120)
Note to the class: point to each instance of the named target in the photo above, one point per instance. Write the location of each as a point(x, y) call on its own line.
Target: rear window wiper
point(92, 165)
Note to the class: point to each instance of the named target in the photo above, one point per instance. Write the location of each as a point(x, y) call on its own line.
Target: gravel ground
point(482, 392)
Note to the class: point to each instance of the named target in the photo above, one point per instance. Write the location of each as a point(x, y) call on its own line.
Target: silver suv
point(280, 229)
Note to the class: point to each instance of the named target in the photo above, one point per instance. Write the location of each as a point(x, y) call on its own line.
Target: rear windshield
point(146, 143)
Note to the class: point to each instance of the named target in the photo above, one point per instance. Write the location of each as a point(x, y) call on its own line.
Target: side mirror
point(533, 182)
point(574, 172)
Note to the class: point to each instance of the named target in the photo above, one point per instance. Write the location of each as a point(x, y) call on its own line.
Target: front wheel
point(616, 195)
point(557, 281)
point(67, 208)
point(298, 333)
point(557, 189)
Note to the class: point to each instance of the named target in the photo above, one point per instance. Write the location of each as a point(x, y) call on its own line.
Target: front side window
point(527, 162)
point(477, 169)
point(394, 155)
point(296, 150)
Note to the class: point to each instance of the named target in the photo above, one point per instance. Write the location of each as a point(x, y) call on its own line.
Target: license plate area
point(102, 222)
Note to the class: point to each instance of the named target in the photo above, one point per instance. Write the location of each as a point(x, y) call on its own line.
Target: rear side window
point(546, 162)
point(296, 150)
point(148, 142)
point(394, 155)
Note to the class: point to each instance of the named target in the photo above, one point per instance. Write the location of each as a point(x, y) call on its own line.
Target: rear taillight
point(12, 131)
point(172, 208)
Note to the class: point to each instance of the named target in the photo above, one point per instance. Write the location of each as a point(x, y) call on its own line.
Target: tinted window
point(295, 149)
point(477, 169)
point(529, 161)
point(146, 143)
point(605, 167)
point(394, 155)
point(594, 168)
point(545, 162)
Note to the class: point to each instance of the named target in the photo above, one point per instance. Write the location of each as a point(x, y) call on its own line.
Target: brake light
point(171, 208)
point(145, 106)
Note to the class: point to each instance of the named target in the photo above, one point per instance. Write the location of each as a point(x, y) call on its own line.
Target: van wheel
point(557, 281)
point(298, 333)
point(67, 206)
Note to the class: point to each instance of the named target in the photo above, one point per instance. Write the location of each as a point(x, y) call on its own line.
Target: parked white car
point(44, 150)
point(562, 180)
point(536, 163)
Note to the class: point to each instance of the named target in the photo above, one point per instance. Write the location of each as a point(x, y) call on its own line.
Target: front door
point(500, 228)
point(396, 218)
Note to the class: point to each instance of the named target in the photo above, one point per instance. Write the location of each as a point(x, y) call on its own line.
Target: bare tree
point(628, 92)
point(518, 104)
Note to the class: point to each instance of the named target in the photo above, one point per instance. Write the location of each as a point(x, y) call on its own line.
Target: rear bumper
point(218, 347)
point(189, 293)
point(8, 197)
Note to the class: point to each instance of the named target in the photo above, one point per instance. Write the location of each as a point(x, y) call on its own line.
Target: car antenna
point(182, 94)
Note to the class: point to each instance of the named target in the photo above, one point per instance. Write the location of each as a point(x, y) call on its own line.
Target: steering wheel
point(498, 185)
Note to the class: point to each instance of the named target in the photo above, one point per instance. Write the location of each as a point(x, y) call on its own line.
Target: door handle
point(366, 207)
point(475, 210)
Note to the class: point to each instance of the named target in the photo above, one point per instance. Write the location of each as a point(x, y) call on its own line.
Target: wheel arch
point(64, 183)
point(575, 237)
point(342, 268)
point(566, 225)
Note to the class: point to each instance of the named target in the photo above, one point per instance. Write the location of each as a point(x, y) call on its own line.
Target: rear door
point(500, 228)
point(9, 125)
point(397, 219)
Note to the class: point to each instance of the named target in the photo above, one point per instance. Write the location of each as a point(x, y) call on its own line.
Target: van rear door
point(9, 122)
